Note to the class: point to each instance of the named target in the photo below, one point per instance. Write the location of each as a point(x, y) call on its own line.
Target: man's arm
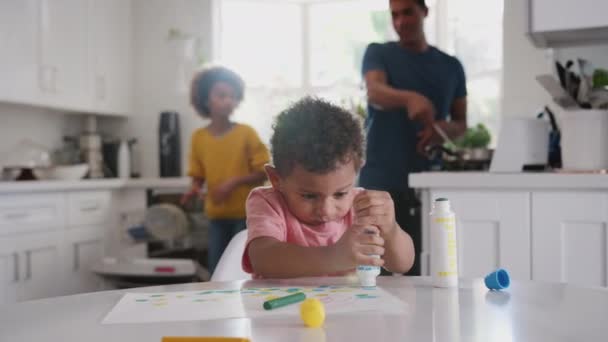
point(380, 94)
point(419, 108)
point(457, 126)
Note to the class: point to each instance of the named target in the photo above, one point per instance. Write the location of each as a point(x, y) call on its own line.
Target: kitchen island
point(539, 226)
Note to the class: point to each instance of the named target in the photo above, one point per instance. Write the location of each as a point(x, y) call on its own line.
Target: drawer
point(88, 208)
point(32, 212)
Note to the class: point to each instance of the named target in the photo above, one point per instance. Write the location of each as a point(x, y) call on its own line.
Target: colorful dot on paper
point(365, 296)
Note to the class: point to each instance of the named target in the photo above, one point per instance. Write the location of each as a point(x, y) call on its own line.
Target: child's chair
point(229, 267)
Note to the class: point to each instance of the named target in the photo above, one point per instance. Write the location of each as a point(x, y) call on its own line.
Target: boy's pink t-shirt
point(268, 216)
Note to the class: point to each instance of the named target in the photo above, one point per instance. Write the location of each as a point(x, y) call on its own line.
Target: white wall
point(43, 126)
point(155, 83)
point(522, 96)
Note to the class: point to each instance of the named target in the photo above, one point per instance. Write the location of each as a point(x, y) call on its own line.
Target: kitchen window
point(287, 49)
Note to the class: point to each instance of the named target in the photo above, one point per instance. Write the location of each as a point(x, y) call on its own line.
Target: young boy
point(313, 221)
point(228, 156)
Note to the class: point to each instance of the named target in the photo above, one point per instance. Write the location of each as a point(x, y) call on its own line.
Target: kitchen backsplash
point(43, 126)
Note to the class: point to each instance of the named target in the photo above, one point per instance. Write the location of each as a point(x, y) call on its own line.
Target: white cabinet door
point(110, 52)
point(64, 54)
point(559, 15)
point(9, 274)
point(570, 238)
point(84, 247)
point(493, 230)
point(41, 256)
point(19, 57)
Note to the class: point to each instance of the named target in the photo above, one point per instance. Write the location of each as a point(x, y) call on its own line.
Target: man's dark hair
point(316, 135)
point(204, 80)
point(421, 3)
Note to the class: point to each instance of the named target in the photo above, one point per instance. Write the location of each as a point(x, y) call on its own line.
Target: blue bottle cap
point(498, 280)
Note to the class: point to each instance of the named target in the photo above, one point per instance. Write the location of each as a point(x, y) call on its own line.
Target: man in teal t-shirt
point(411, 86)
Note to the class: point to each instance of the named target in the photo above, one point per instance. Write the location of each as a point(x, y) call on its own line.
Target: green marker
point(280, 302)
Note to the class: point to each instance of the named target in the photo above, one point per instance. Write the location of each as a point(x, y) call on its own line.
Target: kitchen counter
point(93, 184)
point(525, 181)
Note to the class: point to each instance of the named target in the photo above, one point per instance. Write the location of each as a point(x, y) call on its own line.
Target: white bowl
point(64, 172)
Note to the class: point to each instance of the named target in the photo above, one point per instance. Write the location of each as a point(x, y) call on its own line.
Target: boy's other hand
point(376, 209)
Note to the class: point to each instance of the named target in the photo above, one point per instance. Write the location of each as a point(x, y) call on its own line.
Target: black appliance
point(170, 156)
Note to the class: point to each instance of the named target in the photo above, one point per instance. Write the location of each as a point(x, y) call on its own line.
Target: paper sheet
point(246, 303)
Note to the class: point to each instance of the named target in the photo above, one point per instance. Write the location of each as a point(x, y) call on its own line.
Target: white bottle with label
point(124, 162)
point(444, 254)
point(367, 274)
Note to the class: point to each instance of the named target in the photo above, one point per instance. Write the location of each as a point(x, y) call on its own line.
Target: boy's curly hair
point(203, 81)
point(316, 135)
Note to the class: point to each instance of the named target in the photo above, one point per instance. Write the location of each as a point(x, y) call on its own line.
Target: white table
point(527, 311)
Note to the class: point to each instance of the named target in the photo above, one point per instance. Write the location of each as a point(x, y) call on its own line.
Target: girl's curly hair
point(204, 80)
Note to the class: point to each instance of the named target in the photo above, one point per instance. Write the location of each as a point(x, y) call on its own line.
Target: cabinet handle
point(28, 265)
point(90, 207)
point(101, 87)
point(16, 276)
point(41, 78)
point(76, 258)
point(54, 78)
point(16, 216)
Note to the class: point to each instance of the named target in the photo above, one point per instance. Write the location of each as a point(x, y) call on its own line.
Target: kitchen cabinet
point(26, 213)
point(41, 266)
point(84, 247)
point(30, 267)
point(549, 227)
point(493, 230)
point(553, 23)
point(48, 242)
point(19, 46)
point(110, 56)
point(569, 239)
point(560, 15)
point(9, 274)
point(70, 55)
point(63, 54)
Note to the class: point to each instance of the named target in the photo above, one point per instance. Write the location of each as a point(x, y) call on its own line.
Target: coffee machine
point(170, 157)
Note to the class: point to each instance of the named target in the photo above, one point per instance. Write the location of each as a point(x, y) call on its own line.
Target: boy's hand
point(355, 247)
point(376, 209)
point(223, 191)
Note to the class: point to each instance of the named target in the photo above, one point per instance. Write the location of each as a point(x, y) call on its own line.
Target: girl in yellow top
point(228, 156)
